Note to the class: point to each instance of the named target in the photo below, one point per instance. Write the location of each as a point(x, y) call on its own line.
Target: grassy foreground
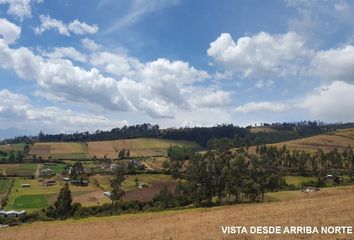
point(329, 207)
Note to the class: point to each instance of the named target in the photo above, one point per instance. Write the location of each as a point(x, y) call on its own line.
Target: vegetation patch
point(30, 202)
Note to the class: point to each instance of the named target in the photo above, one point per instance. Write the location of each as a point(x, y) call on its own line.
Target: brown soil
point(147, 194)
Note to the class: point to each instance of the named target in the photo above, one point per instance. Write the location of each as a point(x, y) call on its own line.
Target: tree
point(116, 186)
point(164, 199)
point(121, 154)
point(77, 171)
point(63, 207)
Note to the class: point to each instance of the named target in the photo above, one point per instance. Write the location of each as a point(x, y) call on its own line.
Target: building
point(12, 213)
point(25, 185)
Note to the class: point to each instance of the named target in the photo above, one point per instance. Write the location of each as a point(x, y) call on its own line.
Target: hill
point(339, 139)
point(329, 207)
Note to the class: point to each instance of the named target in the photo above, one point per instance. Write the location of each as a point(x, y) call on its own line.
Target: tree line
point(241, 136)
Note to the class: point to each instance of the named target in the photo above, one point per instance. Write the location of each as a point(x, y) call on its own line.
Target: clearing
point(59, 150)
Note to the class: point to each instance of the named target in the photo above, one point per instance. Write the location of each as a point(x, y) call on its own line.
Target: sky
point(71, 66)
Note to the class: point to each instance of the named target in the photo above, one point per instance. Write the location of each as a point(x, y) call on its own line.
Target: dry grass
point(327, 142)
point(330, 207)
point(59, 150)
point(140, 147)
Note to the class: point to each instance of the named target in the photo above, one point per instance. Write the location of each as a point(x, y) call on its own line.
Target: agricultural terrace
point(140, 147)
point(59, 150)
point(38, 196)
point(329, 207)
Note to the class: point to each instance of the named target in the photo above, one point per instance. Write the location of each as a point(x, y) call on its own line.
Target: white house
point(12, 213)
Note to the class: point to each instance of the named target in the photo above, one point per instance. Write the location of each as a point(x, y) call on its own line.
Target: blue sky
point(83, 65)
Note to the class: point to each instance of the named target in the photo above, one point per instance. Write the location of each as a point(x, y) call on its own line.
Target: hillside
point(140, 147)
point(329, 207)
point(339, 139)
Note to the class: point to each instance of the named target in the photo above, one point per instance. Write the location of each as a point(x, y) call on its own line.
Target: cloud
point(261, 55)
point(10, 32)
point(90, 44)
point(155, 87)
point(20, 8)
point(76, 27)
point(16, 109)
point(207, 98)
point(252, 107)
point(65, 52)
point(139, 8)
point(333, 102)
point(335, 64)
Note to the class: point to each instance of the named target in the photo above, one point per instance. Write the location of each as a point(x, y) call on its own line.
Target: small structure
point(66, 179)
point(310, 189)
point(48, 183)
point(25, 185)
point(81, 183)
point(107, 194)
point(143, 185)
point(12, 213)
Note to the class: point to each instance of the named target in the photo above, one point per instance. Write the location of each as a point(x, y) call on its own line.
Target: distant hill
point(339, 139)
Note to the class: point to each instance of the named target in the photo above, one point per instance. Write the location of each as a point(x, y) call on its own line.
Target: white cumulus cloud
point(260, 55)
point(76, 27)
point(8, 31)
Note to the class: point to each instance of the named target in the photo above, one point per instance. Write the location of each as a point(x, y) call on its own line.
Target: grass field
point(140, 147)
point(12, 147)
point(329, 207)
point(4, 185)
point(38, 196)
point(59, 150)
point(30, 202)
point(23, 169)
point(57, 168)
point(297, 180)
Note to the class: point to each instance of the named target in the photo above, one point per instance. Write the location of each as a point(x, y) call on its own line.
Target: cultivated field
point(155, 182)
point(340, 139)
point(12, 147)
point(329, 207)
point(59, 150)
point(23, 169)
point(140, 147)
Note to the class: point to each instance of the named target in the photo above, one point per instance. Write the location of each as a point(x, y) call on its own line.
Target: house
point(143, 185)
point(48, 183)
point(310, 189)
point(12, 213)
point(66, 179)
point(25, 185)
point(81, 183)
point(107, 194)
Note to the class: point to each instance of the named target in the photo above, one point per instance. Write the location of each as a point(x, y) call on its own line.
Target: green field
point(4, 185)
point(30, 202)
point(57, 168)
point(41, 196)
point(297, 180)
point(129, 183)
point(18, 147)
point(18, 169)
